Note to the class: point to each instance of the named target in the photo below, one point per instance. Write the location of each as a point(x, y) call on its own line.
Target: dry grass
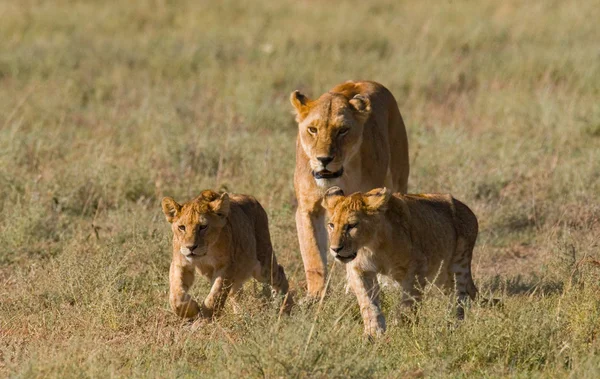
point(105, 107)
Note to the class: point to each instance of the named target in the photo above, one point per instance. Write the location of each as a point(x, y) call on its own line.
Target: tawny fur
point(224, 238)
point(358, 124)
point(414, 239)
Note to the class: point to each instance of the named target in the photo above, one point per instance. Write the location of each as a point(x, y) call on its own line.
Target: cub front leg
point(313, 247)
point(366, 288)
point(214, 302)
point(181, 278)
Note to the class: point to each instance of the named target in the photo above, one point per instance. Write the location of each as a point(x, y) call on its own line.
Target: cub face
point(196, 224)
point(353, 220)
point(330, 131)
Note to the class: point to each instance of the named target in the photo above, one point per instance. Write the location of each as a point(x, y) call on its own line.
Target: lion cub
point(414, 239)
point(225, 238)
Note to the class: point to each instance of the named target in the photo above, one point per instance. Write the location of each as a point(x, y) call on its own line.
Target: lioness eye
point(330, 225)
point(352, 226)
point(312, 130)
point(202, 227)
point(344, 131)
point(182, 228)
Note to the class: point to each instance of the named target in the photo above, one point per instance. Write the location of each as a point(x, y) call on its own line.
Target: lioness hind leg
point(460, 271)
point(274, 275)
point(464, 291)
point(267, 270)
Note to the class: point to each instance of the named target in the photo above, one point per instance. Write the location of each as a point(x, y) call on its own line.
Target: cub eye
point(352, 226)
point(343, 131)
point(312, 130)
point(202, 227)
point(330, 225)
point(181, 227)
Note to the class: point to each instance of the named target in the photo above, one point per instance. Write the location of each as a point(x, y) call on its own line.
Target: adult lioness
point(415, 239)
point(225, 238)
point(353, 137)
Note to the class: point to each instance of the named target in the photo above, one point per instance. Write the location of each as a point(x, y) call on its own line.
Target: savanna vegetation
point(107, 106)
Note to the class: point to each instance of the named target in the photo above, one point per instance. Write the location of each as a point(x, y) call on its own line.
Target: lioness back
point(447, 207)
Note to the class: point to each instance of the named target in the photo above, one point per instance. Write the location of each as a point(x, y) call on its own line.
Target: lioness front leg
point(181, 277)
point(412, 288)
point(214, 302)
point(366, 288)
point(313, 247)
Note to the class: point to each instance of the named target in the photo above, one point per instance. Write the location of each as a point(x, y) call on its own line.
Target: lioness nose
point(337, 249)
point(325, 160)
point(192, 247)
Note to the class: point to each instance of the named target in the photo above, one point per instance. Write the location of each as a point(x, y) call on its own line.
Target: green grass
point(105, 107)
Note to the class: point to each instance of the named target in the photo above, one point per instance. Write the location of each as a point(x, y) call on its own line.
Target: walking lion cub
point(225, 238)
point(414, 239)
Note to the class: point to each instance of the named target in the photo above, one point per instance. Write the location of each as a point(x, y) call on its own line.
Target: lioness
point(415, 239)
point(353, 137)
point(225, 238)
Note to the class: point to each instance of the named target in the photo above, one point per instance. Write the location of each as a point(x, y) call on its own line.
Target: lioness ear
point(377, 199)
point(299, 101)
point(331, 197)
point(361, 105)
point(170, 208)
point(220, 206)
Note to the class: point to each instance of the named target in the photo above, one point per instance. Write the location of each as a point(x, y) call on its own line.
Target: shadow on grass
point(519, 285)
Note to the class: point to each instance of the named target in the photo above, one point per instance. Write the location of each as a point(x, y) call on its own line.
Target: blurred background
point(107, 106)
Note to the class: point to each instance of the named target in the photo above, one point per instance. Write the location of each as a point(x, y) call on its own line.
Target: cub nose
point(192, 247)
point(325, 160)
point(336, 249)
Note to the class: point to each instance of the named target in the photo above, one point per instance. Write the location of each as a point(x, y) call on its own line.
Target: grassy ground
point(105, 107)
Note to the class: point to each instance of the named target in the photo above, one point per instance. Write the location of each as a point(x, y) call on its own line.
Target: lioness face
point(353, 220)
point(330, 131)
point(196, 224)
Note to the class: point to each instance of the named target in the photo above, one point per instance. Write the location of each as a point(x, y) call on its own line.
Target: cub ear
point(299, 101)
point(361, 105)
point(170, 208)
point(331, 197)
point(377, 199)
point(220, 206)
